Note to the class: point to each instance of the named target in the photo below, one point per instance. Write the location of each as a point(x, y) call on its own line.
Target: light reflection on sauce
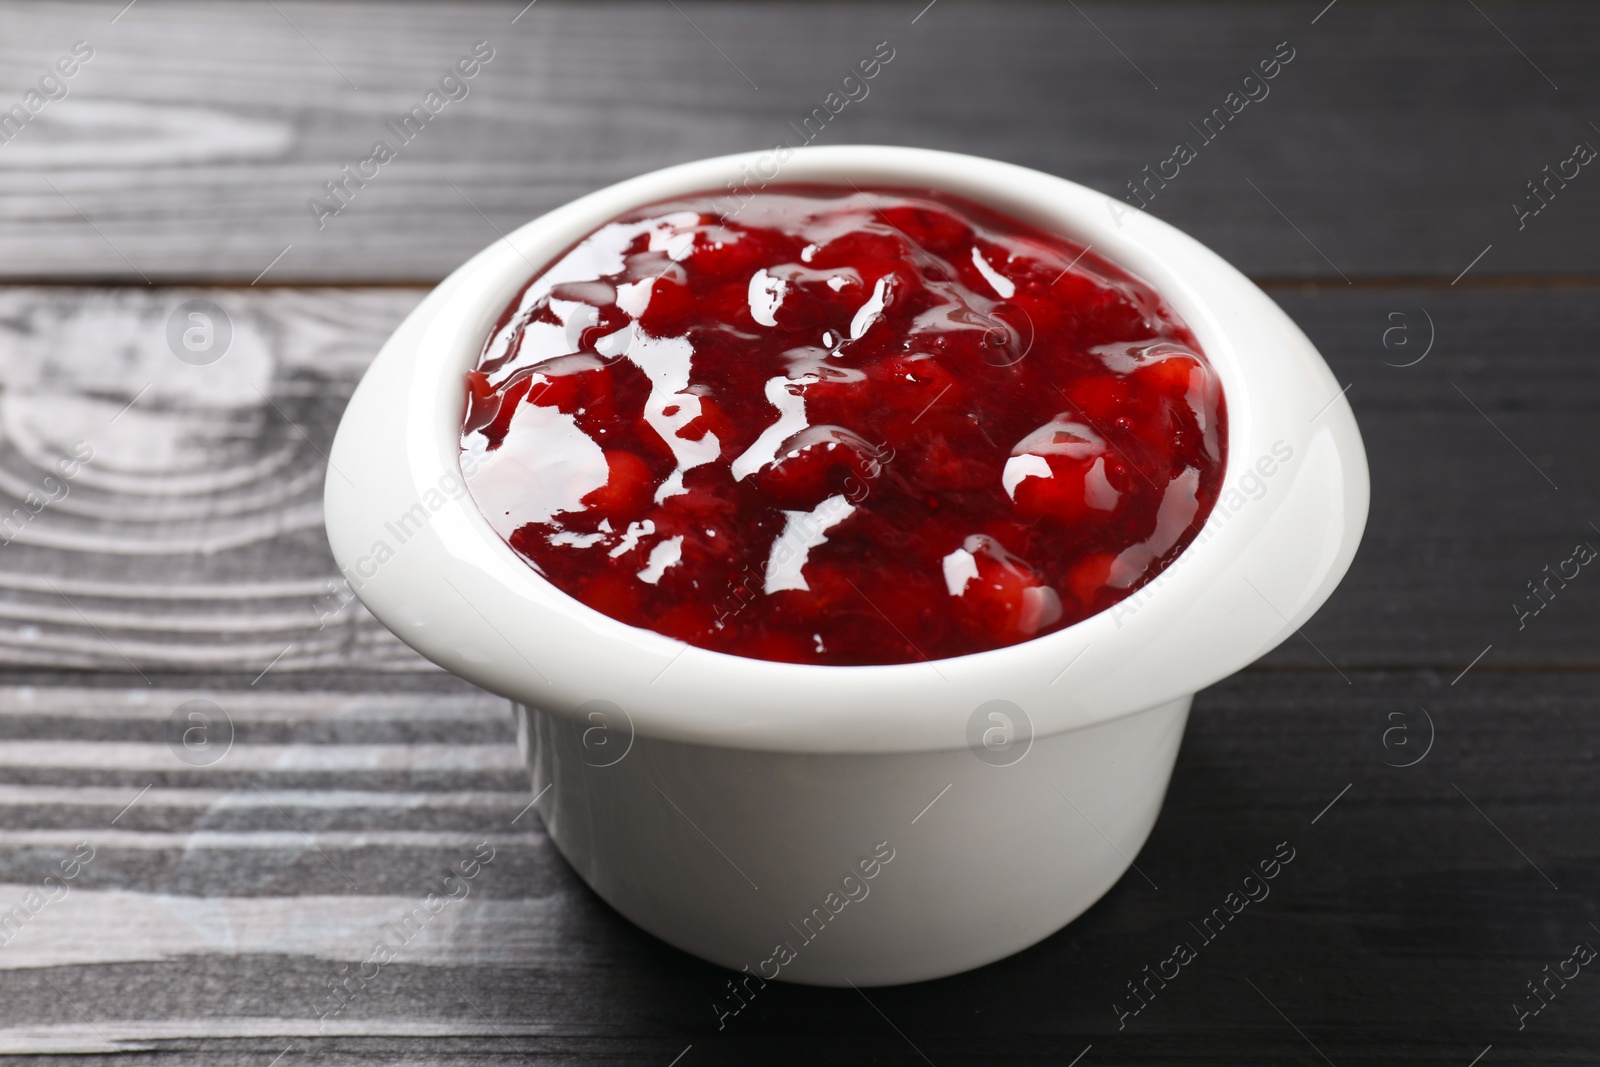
point(842, 427)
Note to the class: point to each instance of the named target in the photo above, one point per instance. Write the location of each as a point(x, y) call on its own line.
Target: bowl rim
point(458, 594)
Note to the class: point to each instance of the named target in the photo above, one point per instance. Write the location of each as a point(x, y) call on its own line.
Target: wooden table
point(1426, 747)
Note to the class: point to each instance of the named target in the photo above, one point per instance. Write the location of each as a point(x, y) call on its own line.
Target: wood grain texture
point(192, 541)
point(1443, 818)
point(224, 897)
point(1394, 143)
point(1483, 462)
point(1418, 902)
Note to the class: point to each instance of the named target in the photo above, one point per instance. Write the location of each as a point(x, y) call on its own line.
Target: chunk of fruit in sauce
point(842, 426)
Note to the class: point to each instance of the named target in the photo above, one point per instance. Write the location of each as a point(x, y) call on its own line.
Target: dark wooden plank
point(1416, 907)
point(192, 538)
point(1395, 141)
point(1460, 446)
point(1483, 459)
point(225, 898)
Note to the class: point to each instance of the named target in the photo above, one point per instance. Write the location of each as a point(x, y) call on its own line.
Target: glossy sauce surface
point(842, 426)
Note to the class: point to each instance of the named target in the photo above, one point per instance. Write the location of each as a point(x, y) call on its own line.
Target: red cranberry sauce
point(842, 427)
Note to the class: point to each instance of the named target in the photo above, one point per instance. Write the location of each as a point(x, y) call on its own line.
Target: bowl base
point(863, 869)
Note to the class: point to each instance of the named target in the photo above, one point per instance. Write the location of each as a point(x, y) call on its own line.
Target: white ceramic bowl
point(774, 817)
